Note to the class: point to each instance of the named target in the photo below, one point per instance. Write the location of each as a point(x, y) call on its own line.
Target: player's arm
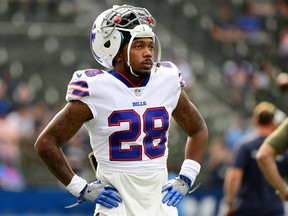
point(266, 156)
point(189, 119)
point(232, 182)
point(60, 130)
point(48, 146)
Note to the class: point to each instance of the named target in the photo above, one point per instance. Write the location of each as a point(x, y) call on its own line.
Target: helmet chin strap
point(128, 55)
point(131, 70)
point(158, 64)
point(143, 34)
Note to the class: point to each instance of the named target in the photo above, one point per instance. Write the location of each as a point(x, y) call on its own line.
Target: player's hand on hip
point(175, 190)
point(101, 193)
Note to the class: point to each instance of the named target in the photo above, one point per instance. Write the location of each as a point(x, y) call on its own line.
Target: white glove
point(101, 193)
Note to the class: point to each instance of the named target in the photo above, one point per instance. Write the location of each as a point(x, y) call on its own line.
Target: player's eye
point(138, 46)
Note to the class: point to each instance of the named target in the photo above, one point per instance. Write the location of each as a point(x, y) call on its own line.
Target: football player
point(127, 110)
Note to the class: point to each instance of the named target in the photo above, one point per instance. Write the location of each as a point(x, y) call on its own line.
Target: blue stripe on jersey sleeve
point(80, 83)
point(80, 93)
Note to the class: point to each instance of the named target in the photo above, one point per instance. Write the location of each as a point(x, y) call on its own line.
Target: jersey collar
point(127, 82)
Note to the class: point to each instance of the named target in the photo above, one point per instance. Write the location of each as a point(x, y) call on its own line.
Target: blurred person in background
point(237, 75)
point(218, 160)
point(22, 116)
point(224, 27)
point(10, 175)
point(274, 148)
point(235, 132)
point(246, 191)
point(127, 111)
point(263, 79)
point(251, 26)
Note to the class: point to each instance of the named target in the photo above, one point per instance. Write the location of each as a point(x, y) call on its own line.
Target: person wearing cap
point(246, 191)
point(274, 147)
point(127, 109)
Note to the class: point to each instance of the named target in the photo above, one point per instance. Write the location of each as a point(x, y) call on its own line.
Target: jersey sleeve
point(78, 87)
point(279, 138)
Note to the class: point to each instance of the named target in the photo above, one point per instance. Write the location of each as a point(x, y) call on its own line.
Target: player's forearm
point(53, 157)
point(196, 145)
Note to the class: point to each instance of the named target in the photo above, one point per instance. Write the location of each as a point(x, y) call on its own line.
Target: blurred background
point(232, 54)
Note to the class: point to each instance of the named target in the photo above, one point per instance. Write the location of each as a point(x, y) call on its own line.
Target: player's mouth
point(148, 63)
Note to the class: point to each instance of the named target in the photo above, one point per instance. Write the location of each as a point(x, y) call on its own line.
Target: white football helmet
point(107, 32)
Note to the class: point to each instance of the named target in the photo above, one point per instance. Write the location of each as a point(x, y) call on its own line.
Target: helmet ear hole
point(107, 44)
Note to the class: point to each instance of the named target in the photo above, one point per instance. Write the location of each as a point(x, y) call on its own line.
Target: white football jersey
point(129, 131)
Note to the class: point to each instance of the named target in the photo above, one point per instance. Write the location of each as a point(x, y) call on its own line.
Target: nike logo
point(79, 75)
point(88, 191)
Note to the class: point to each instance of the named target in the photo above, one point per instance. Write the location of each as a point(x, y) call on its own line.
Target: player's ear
point(118, 57)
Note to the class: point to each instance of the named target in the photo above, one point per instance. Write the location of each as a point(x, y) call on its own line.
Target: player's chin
point(146, 66)
point(143, 73)
point(147, 69)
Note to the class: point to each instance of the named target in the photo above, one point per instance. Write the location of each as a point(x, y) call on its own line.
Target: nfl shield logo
point(137, 92)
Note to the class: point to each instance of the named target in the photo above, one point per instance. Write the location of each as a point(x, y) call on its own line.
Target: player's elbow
point(43, 144)
point(39, 146)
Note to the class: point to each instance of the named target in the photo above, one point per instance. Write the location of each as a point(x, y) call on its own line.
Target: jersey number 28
point(155, 126)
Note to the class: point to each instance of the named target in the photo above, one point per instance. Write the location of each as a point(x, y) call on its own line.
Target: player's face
point(142, 56)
